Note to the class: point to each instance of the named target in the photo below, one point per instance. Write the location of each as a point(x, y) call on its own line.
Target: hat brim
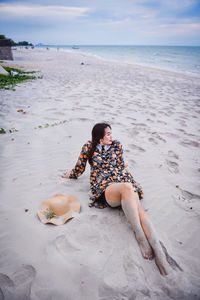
point(59, 220)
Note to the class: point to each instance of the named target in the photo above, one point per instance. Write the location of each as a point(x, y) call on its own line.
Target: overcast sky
point(102, 22)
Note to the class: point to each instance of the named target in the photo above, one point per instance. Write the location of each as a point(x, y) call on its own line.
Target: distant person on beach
point(112, 185)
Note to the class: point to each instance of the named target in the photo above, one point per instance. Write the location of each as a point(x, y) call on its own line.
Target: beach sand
point(155, 115)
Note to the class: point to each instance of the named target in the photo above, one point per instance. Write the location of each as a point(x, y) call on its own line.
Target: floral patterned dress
point(108, 167)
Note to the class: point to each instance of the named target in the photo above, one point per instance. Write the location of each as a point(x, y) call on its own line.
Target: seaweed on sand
point(9, 81)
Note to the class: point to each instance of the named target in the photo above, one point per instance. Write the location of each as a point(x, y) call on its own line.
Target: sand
point(155, 115)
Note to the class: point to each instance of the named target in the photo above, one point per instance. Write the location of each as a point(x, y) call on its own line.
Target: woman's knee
point(126, 187)
point(129, 193)
point(112, 192)
point(119, 191)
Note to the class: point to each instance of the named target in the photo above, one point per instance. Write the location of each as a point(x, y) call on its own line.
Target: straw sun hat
point(58, 209)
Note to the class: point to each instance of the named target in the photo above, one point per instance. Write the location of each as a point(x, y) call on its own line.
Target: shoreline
point(107, 60)
point(161, 68)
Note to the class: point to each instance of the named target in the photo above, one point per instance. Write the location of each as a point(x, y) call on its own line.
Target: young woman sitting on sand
point(111, 184)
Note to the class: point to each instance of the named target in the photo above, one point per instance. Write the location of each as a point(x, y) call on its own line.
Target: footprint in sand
point(172, 135)
point(120, 280)
point(78, 108)
point(172, 166)
point(131, 268)
point(162, 122)
point(139, 124)
point(157, 136)
point(131, 118)
point(191, 135)
point(188, 201)
point(81, 238)
point(59, 113)
point(149, 120)
point(160, 111)
point(135, 147)
point(109, 105)
point(114, 114)
point(173, 154)
point(6, 287)
point(65, 245)
point(18, 285)
point(65, 248)
point(51, 109)
point(132, 132)
point(153, 141)
point(189, 195)
point(113, 285)
point(83, 246)
point(181, 130)
point(133, 272)
point(107, 292)
point(50, 294)
point(81, 119)
point(132, 162)
point(187, 142)
point(194, 117)
point(182, 123)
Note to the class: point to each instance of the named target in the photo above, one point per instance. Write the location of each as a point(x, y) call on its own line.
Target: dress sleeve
point(120, 155)
point(81, 162)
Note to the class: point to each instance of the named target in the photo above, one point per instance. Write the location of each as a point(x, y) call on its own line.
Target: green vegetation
point(53, 124)
point(24, 43)
point(11, 130)
point(8, 82)
point(12, 43)
point(8, 69)
point(2, 131)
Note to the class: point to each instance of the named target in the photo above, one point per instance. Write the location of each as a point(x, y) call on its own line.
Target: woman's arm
point(121, 156)
point(80, 165)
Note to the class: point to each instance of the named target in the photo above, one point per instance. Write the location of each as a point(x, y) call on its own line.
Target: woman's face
point(107, 139)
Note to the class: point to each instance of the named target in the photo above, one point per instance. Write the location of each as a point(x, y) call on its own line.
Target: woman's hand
point(65, 175)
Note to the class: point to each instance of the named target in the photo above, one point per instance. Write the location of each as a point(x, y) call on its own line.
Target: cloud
point(179, 29)
point(176, 4)
point(30, 10)
point(113, 21)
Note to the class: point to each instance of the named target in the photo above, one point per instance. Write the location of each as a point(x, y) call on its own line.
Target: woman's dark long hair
point(98, 133)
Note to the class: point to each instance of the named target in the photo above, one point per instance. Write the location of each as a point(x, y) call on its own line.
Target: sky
point(102, 22)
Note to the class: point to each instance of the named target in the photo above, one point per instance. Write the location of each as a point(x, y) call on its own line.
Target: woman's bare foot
point(160, 257)
point(65, 175)
point(130, 209)
point(145, 248)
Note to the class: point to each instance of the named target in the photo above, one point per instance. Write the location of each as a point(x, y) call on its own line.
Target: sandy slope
point(95, 255)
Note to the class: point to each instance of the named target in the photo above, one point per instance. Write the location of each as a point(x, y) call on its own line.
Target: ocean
point(180, 59)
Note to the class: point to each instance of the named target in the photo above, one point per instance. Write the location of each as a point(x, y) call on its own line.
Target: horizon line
point(117, 45)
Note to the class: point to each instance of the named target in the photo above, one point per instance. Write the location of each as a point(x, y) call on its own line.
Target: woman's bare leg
point(135, 214)
point(151, 235)
point(123, 193)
